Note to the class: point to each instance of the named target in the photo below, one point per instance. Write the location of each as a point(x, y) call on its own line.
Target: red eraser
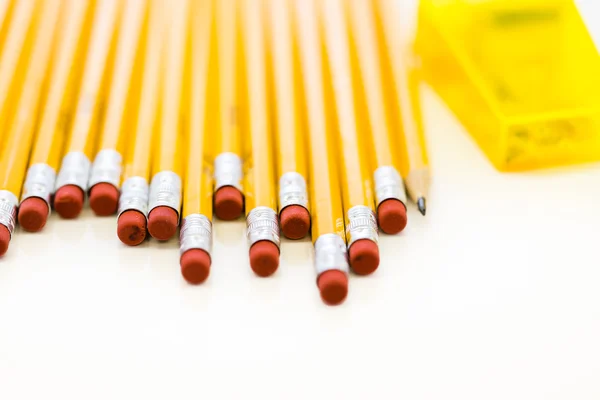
point(195, 265)
point(68, 201)
point(333, 286)
point(162, 223)
point(364, 256)
point(4, 239)
point(264, 258)
point(104, 199)
point(391, 215)
point(229, 203)
point(33, 214)
point(295, 222)
point(131, 227)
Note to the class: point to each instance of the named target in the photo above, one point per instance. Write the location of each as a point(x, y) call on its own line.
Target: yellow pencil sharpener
point(523, 76)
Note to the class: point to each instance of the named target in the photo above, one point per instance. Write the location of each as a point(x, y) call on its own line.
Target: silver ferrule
point(292, 190)
point(362, 224)
point(8, 210)
point(330, 254)
point(75, 170)
point(195, 233)
point(165, 190)
point(106, 168)
point(39, 183)
point(388, 185)
point(228, 171)
point(262, 223)
point(134, 195)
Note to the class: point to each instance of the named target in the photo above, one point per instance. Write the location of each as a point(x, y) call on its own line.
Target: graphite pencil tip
point(421, 205)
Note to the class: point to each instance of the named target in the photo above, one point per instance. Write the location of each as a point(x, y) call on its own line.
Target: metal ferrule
point(134, 195)
point(39, 183)
point(195, 233)
point(292, 190)
point(331, 253)
point(106, 168)
point(165, 190)
point(262, 223)
point(362, 224)
point(388, 185)
point(75, 170)
point(228, 171)
point(8, 210)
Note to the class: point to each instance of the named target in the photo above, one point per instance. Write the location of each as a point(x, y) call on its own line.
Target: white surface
point(494, 295)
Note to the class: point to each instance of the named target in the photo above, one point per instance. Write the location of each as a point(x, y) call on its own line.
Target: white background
point(494, 295)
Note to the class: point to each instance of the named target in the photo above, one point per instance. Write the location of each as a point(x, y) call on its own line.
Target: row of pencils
point(302, 114)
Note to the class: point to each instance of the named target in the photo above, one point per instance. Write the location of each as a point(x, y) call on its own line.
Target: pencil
point(331, 258)
point(72, 179)
point(164, 204)
point(6, 7)
point(390, 194)
point(133, 203)
point(14, 58)
point(228, 175)
point(55, 116)
point(262, 223)
point(196, 228)
point(105, 175)
point(13, 160)
point(291, 157)
point(357, 193)
point(414, 162)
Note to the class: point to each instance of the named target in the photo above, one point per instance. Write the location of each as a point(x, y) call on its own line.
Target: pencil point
point(421, 205)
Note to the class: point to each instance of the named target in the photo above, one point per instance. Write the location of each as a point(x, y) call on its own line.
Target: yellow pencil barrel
point(6, 7)
point(196, 227)
point(230, 137)
point(260, 177)
point(375, 114)
point(168, 155)
point(14, 58)
point(288, 124)
point(326, 202)
point(167, 162)
point(82, 138)
point(414, 163)
point(14, 157)
point(261, 200)
point(228, 147)
point(196, 199)
point(138, 155)
point(107, 164)
point(60, 99)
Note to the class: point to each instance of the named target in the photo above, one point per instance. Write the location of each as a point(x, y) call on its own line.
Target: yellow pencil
point(13, 160)
point(72, 179)
point(288, 125)
point(196, 227)
point(331, 258)
point(414, 162)
point(6, 7)
point(228, 197)
point(105, 174)
point(259, 182)
point(390, 194)
point(55, 115)
point(133, 203)
point(14, 58)
point(167, 163)
point(357, 193)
